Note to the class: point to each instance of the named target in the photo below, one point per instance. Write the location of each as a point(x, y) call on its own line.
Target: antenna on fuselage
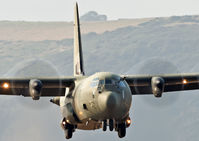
point(78, 56)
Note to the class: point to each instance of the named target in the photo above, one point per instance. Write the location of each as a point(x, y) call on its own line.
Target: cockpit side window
point(101, 82)
point(96, 79)
point(95, 82)
point(108, 82)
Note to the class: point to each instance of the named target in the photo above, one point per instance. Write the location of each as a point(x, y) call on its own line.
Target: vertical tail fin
point(78, 56)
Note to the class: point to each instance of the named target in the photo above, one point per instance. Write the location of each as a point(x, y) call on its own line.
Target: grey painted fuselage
point(96, 98)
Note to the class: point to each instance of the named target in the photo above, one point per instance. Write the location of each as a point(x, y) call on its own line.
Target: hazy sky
point(62, 10)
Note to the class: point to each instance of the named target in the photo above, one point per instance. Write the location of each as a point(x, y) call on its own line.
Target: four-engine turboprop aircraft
point(97, 101)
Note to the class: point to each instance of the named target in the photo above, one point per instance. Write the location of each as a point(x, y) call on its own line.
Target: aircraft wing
point(50, 86)
point(141, 85)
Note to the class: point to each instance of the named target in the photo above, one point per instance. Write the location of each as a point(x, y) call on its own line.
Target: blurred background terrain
point(126, 46)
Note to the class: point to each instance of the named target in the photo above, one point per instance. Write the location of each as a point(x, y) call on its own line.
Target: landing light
point(128, 122)
point(6, 85)
point(184, 81)
point(63, 122)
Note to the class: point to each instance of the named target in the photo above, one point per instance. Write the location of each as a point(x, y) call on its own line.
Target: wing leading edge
point(141, 85)
point(50, 86)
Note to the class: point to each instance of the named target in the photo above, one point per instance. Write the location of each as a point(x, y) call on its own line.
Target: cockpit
point(95, 82)
point(107, 83)
point(116, 83)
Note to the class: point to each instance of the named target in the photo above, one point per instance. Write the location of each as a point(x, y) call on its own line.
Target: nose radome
point(108, 101)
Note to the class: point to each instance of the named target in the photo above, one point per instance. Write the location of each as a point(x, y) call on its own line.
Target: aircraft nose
point(108, 101)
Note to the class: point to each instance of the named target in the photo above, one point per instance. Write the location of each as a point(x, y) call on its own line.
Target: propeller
point(33, 68)
point(155, 66)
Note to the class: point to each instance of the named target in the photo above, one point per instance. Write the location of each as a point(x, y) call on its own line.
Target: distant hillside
point(159, 45)
point(155, 38)
point(38, 31)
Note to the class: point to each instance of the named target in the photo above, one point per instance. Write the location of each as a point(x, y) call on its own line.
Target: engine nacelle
point(157, 84)
point(67, 111)
point(35, 87)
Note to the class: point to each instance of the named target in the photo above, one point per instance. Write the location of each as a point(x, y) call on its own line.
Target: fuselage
point(99, 97)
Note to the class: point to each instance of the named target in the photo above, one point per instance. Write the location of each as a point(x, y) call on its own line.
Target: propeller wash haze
point(103, 99)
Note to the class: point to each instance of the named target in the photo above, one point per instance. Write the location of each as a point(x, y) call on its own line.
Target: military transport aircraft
point(98, 101)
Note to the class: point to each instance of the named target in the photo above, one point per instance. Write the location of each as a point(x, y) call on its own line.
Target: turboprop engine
point(67, 109)
point(157, 84)
point(35, 87)
point(69, 121)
